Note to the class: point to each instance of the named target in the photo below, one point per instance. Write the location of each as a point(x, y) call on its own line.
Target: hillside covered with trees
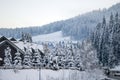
point(78, 27)
point(106, 40)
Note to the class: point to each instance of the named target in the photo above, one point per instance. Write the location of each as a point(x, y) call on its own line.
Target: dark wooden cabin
point(4, 43)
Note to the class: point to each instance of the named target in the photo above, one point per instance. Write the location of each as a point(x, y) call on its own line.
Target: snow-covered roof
point(10, 43)
point(21, 45)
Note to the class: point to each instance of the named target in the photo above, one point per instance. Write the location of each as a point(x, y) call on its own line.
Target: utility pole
point(1, 61)
point(39, 73)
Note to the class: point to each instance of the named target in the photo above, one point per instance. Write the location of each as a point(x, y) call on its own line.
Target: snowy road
point(35, 74)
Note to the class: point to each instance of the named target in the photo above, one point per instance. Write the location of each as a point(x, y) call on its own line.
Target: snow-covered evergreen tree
point(26, 37)
point(46, 49)
point(8, 58)
point(108, 44)
point(116, 38)
point(47, 60)
point(55, 63)
point(77, 59)
point(88, 56)
point(17, 60)
point(27, 59)
point(36, 60)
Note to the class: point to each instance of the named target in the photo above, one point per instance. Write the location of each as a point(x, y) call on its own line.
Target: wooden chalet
point(4, 43)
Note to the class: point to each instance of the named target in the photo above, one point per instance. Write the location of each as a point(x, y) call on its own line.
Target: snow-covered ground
point(116, 68)
point(53, 37)
point(35, 74)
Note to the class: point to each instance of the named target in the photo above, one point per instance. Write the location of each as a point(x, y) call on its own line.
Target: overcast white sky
point(23, 13)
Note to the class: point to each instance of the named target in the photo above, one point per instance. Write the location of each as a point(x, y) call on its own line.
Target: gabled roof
point(21, 45)
point(13, 39)
point(3, 38)
point(12, 44)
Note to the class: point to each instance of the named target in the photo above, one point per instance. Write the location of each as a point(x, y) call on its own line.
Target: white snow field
point(36, 74)
point(52, 37)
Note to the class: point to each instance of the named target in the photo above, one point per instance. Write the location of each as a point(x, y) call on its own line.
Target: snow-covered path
point(35, 74)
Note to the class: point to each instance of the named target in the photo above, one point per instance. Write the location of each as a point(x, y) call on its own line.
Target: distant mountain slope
point(77, 27)
point(53, 37)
